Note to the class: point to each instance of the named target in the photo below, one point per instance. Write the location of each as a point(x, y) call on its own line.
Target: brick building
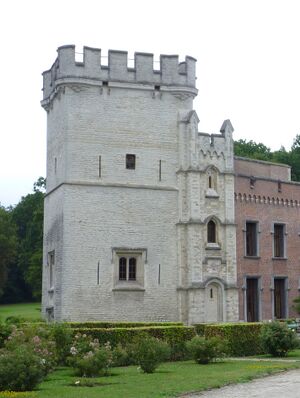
point(267, 212)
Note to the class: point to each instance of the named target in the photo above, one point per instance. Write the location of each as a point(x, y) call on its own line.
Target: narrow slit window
point(209, 182)
point(211, 294)
point(211, 232)
point(132, 269)
point(122, 269)
point(55, 165)
point(99, 167)
point(159, 170)
point(130, 161)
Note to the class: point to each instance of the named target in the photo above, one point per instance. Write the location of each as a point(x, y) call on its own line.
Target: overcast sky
point(248, 67)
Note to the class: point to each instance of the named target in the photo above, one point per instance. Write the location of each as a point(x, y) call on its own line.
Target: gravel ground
point(283, 385)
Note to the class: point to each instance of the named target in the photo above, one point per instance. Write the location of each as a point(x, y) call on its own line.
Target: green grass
point(169, 380)
point(295, 354)
point(28, 311)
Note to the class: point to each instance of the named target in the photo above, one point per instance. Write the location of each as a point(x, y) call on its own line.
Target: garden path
point(286, 384)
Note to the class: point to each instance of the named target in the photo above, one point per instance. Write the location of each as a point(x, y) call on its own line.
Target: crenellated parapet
point(171, 73)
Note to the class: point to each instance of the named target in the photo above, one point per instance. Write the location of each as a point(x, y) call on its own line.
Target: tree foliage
point(22, 226)
point(252, 150)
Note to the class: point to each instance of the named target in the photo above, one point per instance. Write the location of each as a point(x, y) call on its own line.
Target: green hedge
point(112, 325)
point(243, 338)
point(173, 335)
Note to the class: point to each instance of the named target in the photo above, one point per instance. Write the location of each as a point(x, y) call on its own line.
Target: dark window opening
point(278, 240)
point(157, 88)
point(211, 232)
point(252, 299)
point(122, 269)
point(132, 269)
point(252, 182)
point(130, 161)
point(209, 182)
point(279, 186)
point(104, 83)
point(211, 294)
point(279, 298)
point(251, 239)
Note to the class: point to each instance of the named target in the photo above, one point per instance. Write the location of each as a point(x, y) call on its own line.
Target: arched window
point(122, 269)
point(211, 232)
point(132, 269)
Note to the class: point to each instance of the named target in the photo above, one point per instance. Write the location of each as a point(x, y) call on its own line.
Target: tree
point(25, 273)
point(8, 243)
point(251, 149)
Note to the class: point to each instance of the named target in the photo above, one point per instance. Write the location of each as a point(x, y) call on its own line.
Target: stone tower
point(127, 202)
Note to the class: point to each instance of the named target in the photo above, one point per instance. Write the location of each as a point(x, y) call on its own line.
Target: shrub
point(35, 340)
point(243, 338)
point(297, 304)
point(120, 356)
point(277, 339)
point(88, 358)
point(62, 335)
point(149, 352)
point(207, 350)
point(5, 331)
point(20, 370)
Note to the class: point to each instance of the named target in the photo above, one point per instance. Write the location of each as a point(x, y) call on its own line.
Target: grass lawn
point(25, 310)
point(169, 380)
point(295, 354)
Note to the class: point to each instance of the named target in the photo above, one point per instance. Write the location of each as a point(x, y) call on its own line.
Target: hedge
point(243, 338)
point(173, 335)
point(112, 325)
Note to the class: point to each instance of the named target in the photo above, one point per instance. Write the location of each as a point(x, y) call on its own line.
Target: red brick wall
point(263, 203)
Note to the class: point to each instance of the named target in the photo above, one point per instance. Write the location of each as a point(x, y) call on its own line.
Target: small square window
point(130, 161)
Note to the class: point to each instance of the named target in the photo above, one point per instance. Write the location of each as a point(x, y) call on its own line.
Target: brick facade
point(264, 199)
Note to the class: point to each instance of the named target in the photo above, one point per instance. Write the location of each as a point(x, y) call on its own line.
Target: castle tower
point(206, 228)
point(139, 216)
point(111, 207)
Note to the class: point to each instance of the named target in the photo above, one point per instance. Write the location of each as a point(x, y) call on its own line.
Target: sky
point(248, 66)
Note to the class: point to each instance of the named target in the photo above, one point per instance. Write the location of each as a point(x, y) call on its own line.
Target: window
point(278, 240)
point(211, 232)
point(51, 260)
point(130, 161)
point(129, 268)
point(211, 182)
point(251, 239)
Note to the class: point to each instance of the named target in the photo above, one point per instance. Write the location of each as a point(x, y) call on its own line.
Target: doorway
point(214, 311)
point(252, 299)
point(279, 298)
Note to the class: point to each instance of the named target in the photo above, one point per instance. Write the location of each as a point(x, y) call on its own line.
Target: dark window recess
point(252, 182)
point(157, 88)
point(252, 299)
point(251, 239)
point(279, 298)
point(211, 232)
point(278, 240)
point(279, 186)
point(132, 269)
point(122, 269)
point(130, 161)
point(104, 83)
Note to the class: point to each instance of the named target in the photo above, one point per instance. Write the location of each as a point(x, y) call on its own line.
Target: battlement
point(171, 72)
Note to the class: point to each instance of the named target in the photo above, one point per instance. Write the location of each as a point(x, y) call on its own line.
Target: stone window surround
point(140, 254)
